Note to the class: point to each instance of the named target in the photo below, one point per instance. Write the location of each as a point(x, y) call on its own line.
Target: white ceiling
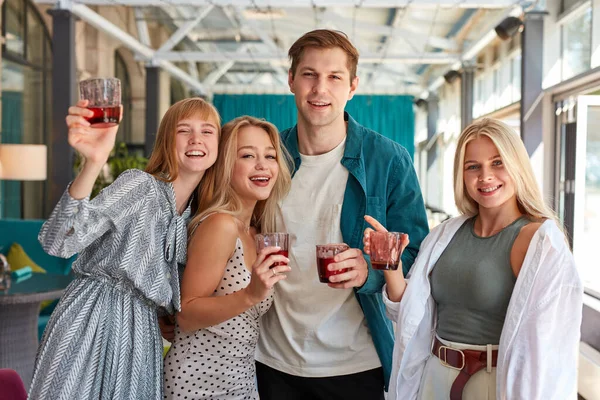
point(241, 45)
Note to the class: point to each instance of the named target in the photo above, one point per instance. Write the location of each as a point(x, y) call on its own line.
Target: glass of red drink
point(325, 254)
point(277, 239)
point(104, 97)
point(385, 250)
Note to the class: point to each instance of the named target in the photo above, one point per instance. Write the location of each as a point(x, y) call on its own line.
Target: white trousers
point(437, 378)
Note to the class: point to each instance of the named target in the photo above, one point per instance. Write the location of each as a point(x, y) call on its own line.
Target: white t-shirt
point(313, 330)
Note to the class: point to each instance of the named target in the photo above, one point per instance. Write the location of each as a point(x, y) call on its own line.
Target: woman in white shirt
point(493, 307)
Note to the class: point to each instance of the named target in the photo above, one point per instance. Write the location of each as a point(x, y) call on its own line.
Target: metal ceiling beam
point(193, 70)
point(405, 74)
point(284, 89)
point(214, 76)
point(395, 16)
point(495, 4)
point(262, 35)
point(110, 29)
point(489, 34)
point(198, 56)
point(254, 27)
point(185, 29)
point(142, 26)
point(390, 31)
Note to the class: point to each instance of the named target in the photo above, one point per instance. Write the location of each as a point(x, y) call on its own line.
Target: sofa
point(25, 232)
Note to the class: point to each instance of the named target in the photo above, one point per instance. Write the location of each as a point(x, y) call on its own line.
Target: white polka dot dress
point(218, 362)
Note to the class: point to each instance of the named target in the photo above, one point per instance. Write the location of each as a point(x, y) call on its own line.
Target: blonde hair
point(517, 165)
point(324, 39)
point(225, 200)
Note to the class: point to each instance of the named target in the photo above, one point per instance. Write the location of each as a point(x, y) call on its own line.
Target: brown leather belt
point(468, 362)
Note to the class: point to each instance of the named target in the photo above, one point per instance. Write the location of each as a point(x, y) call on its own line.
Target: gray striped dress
point(103, 341)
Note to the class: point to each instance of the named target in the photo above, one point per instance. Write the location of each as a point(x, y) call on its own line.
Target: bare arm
point(208, 253)
point(520, 246)
point(396, 284)
point(93, 144)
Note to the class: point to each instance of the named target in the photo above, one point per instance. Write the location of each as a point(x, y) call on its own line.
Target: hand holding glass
point(104, 100)
point(325, 255)
point(276, 239)
point(385, 250)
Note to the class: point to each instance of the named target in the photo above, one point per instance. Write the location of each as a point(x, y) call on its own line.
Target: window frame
point(44, 67)
point(575, 12)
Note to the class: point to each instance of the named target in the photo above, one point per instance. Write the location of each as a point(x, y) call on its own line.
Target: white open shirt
point(537, 355)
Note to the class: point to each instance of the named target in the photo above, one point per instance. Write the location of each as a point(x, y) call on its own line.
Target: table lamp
point(23, 162)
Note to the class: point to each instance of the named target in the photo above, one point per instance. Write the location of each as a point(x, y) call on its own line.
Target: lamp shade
point(23, 162)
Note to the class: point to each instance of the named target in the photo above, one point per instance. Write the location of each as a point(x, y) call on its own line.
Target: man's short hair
point(324, 39)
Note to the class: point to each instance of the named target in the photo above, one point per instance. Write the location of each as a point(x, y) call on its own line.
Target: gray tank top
point(472, 282)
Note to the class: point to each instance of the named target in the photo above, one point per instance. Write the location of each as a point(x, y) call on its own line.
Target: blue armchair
point(25, 232)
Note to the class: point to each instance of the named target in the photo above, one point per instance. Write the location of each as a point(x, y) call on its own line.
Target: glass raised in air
point(273, 239)
point(104, 100)
point(325, 255)
point(385, 250)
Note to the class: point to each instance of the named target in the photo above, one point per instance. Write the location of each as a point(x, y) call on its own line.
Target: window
point(178, 91)
point(576, 38)
point(586, 236)
point(124, 133)
point(478, 96)
point(515, 77)
point(14, 26)
point(26, 106)
point(567, 5)
point(496, 87)
point(578, 181)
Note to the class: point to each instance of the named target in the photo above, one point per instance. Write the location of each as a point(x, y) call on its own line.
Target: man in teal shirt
point(330, 341)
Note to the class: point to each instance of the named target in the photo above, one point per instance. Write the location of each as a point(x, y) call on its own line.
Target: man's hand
point(167, 327)
point(357, 273)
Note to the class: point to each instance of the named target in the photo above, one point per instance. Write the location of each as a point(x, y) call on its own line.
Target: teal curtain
point(12, 127)
point(280, 110)
point(392, 116)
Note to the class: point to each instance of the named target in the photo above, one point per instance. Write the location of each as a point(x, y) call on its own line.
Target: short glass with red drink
point(104, 100)
point(385, 250)
point(325, 254)
point(276, 239)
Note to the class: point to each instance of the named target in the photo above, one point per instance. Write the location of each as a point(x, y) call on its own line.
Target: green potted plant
point(121, 159)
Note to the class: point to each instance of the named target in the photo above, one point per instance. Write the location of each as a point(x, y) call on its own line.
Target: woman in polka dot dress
point(226, 286)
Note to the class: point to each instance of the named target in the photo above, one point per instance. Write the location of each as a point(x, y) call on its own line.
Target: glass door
point(586, 194)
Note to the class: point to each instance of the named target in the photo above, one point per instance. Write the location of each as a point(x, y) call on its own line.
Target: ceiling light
point(509, 27)
point(451, 76)
point(420, 102)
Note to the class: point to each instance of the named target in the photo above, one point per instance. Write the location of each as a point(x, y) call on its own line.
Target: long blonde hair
point(516, 162)
point(224, 199)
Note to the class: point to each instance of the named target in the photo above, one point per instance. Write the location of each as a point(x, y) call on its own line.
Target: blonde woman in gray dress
point(226, 286)
point(102, 341)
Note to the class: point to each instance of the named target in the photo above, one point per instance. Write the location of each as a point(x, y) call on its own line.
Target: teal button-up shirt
point(382, 183)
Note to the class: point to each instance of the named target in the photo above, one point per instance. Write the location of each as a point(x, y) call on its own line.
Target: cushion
point(17, 258)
